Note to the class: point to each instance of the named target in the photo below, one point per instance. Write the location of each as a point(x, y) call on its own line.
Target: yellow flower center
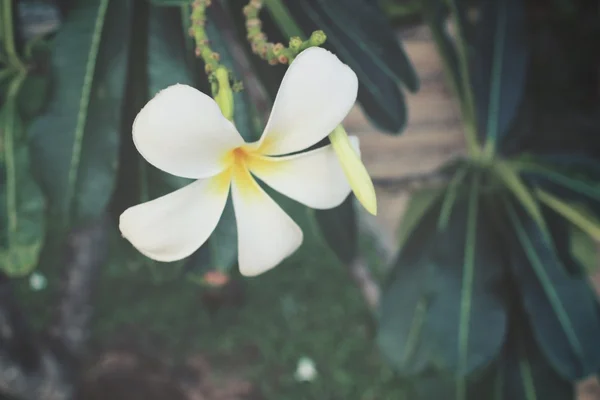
point(240, 161)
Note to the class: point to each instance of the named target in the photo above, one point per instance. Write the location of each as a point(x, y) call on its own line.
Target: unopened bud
point(295, 43)
point(317, 38)
point(278, 48)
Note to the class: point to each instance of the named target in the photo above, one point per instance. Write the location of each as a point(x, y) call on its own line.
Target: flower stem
point(218, 75)
point(8, 37)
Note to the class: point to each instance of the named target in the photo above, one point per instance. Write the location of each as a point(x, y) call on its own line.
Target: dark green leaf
point(339, 229)
point(443, 310)
point(420, 202)
point(583, 249)
point(436, 386)
point(21, 201)
point(33, 95)
point(562, 308)
point(170, 2)
point(525, 373)
point(500, 67)
point(572, 178)
point(435, 13)
point(378, 93)
point(75, 143)
point(374, 36)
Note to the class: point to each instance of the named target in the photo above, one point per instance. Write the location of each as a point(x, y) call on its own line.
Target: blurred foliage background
point(487, 298)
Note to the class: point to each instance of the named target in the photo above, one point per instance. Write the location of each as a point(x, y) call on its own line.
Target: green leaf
point(450, 196)
point(418, 205)
point(562, 308)
point(379, 95)
point(338, 226)
point(577, 214)
point(170, 3)
point(525, 372)
point(513, 182)
point(500, 66)
point(583, 248)
point(374, 36)
point(21, 201)
point(579, 178)
point(434, 14)
point(33, 96)
point(75, 142)
point(435, 385)
point(441, 310)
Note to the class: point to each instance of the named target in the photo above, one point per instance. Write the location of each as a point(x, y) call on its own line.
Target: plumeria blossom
point(182, 132)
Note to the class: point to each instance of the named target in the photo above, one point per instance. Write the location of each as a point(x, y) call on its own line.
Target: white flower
point(37, 281)
point(306, 370)
point(182, 131)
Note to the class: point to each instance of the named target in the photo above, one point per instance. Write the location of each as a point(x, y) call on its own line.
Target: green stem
point(218, 75)
point(284, 19)
point(8, 36)
point(9, 153)
point(468, 109)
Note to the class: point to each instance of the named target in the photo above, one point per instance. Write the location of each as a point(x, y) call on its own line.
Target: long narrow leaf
point(578, 215)
point(75, 143)
point(499, 71)
point(441, 309)
point(564, 312)
point(23, 205)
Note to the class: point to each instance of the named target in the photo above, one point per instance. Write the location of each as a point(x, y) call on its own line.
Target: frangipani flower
point(182, 132)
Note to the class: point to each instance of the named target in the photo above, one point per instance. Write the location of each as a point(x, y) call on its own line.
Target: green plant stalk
point(584, 222)
point(284, 19)
point(467, 282)
point(9, 156)
point(405, 10)
point(218, 74)
point(353, 168)
point(468, 107)
point(8, 36)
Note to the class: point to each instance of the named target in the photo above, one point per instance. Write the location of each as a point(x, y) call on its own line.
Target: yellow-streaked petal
point(182, 131)
point(266, 234)
point(313, 178)
point(173, 226)
point(316, 93)
point(355, 171)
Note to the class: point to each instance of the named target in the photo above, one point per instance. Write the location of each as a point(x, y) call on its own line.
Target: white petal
point(315, 178)
point(266, 234)
point(182, 131)
point(173, 226)
point(316, 93)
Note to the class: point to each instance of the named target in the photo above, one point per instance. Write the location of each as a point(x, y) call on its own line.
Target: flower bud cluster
point(275, 53)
